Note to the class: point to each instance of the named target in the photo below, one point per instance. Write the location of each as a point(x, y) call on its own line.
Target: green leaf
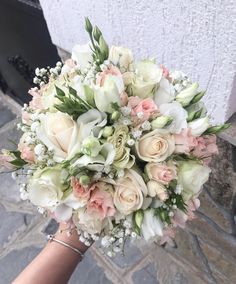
point(18, 163)
point(89, 94)
point(60, 92)
point(198, 97)
point(217, 129)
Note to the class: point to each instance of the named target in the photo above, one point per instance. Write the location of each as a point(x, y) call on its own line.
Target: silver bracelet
point(52, 238)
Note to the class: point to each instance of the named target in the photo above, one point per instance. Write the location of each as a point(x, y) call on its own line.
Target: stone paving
point(204, 251)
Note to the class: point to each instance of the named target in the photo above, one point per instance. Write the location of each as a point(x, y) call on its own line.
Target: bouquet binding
point(118, 149)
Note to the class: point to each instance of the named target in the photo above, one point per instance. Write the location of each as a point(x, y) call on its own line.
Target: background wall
point(198, 37)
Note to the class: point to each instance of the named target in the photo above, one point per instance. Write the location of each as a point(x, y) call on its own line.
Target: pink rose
point(141, 110)
point(112, 70)
point(184, 142)
point(101, 202)
point(206, 147)
point(27, 152)
point(124, 98)
point(36, 102)
point(161, 172)
point(79, 191)
point(5, 159)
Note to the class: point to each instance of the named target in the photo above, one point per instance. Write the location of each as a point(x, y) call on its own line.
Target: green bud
point(115, 115)
point(88, 25)
point(161, 121)
point(187, 95)
point(217, 129)
point(84, 180)
point(96, 33)
point(138, 217)
point(194, 115)
point(198, 97)
point(107, 131)
point(91, 146)
point(103, 47)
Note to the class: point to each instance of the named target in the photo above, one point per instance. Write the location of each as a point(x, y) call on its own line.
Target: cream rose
point(155, 146)
point(59, 132)
point(191, 177)
point(157, 189)
point(121, 57)
point(130, 191)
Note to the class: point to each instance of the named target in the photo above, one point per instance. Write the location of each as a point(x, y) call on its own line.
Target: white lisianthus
point(91, 123)
point(165, 92)
point(161, 121)
point(91, 146)
point(130, 191)
point(179, 115)
point(121, 57)
point(186, 95)
point(191, 177)
point(86, 222)
point(155, 146)
point(46, 187)
point(59, 132)
point(146, 79)
point(104, 158)
point(109, 93)
point(152, 226)
point(198, 126)
point(82, 55)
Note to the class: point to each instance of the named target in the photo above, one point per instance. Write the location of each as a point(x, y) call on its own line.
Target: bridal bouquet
point(114, 147)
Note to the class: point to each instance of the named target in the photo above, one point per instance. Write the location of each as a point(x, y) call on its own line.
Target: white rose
point(185, 96)
point(157, 189)
point(152, 226)
point(165, 92)
point(191, 177)
point(179, 115)
point(121, 57)
point(109, 93)
point(86, 222)
point(148, 75)
point(46, 187)
point(155, 146)
point(82, 55)
point(198, 126)
point(130, 191)
point(59, 132)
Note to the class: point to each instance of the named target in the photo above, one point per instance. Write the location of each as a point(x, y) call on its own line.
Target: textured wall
point(198, 37)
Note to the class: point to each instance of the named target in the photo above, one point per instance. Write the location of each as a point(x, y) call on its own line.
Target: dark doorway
point(25, 44)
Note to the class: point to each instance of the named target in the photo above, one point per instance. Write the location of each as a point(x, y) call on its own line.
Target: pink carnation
point(36, 102)
point(112, 70)
point(79, 191)
point(141, 110)
point(206, 147)
point(184, 142)
point(101, 203)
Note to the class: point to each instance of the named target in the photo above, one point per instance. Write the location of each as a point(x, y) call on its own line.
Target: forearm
point(55, 263)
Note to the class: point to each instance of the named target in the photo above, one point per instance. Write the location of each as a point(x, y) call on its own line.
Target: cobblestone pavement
point(204, 251)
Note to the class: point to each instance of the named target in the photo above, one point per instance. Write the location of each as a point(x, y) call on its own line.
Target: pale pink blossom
point(206, 147)
point(124, 98)
point(25, 117)
point(70, 63)
point(5, 159)
point(27, 152)
point(166, 73)
point(168, 236)
point(36, 102)
point(111, 70)
point(141, 109)
point(100, 203)
point(80, 191)
point(184, 142)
